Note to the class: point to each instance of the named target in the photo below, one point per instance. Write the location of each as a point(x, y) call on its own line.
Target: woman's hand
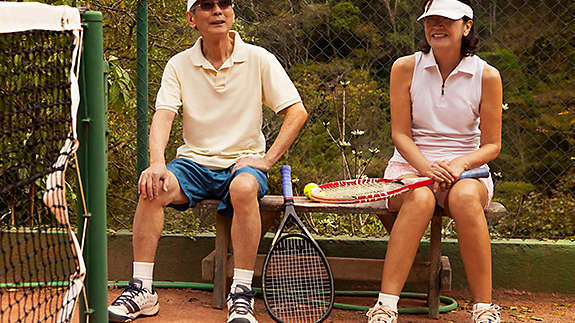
point(442, 174)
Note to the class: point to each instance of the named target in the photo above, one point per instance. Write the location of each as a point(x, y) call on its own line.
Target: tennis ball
point(307, 189)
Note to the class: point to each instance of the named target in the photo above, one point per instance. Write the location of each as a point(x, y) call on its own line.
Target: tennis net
point(41, 266)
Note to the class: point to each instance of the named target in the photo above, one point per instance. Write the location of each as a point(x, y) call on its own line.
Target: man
point(220, 84)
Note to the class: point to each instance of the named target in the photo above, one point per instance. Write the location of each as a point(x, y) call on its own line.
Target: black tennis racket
point(297, 281)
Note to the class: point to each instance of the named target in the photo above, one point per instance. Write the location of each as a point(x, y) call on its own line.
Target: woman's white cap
point(451, 9)
point(191, 3)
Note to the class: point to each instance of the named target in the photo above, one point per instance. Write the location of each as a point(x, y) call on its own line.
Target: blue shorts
point(199, 183)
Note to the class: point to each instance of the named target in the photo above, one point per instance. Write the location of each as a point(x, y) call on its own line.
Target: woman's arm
point(490, 113)
point(400, 104)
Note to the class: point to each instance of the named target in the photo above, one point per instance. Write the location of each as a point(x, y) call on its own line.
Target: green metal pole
point(142, 84)
point(92, 132)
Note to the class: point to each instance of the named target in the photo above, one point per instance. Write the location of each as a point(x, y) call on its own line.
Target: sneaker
point(381, 314)
point(133, 302)
point(241, 305)
point(487, 315)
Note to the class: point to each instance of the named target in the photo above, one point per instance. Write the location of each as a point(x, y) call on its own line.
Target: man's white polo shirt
point(222, 109)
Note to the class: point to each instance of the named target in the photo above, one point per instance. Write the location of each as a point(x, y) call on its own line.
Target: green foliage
point(324, 44)
point(514, 80)
point(508, 190)
point(539, 214)
point(120, 87)
point(352, 225)
point(344, 16)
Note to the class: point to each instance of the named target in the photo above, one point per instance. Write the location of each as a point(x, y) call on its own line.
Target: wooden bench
point(435, 272)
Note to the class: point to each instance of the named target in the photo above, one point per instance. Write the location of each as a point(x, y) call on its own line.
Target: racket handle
point(481, 172)
point(285, 171)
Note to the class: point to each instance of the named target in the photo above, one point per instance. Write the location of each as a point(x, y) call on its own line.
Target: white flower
point(344, 143)
point(357, 132)
point(505, 106)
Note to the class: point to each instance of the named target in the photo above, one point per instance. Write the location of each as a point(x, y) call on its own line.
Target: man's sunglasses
point(209, 5)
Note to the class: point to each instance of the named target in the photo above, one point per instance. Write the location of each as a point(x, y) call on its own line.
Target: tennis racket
point(374, 189)
point(297, 282)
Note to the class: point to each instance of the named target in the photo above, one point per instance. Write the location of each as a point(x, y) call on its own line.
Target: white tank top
point(445, 115)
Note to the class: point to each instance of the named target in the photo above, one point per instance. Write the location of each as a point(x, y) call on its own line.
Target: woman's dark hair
point(469, 43)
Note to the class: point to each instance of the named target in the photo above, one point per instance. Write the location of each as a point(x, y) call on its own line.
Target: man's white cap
point(191, 3)
point(451, 9)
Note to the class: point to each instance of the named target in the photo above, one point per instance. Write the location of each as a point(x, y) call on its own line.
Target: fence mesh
point(339, 55)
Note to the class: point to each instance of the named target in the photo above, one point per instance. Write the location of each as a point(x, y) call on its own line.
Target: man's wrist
point(157, 162)
point(269, 163)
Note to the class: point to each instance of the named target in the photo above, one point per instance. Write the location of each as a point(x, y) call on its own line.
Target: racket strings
point(299, 286)
point(360, 189)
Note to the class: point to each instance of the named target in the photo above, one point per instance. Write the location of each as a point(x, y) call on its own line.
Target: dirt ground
point(187, 305)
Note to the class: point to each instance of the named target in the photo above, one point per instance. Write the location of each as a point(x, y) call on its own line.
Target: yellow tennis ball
point(307, 189)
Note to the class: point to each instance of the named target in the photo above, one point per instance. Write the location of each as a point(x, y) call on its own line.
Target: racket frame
point(290, 214)
point(408, 184)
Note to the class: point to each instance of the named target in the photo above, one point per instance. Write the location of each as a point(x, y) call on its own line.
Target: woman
point(446, 118)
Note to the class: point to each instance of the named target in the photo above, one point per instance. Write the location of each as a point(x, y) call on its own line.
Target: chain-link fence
point(339, 55)
point(340, 52)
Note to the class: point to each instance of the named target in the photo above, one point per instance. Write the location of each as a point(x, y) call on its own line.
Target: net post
point(92, 154)
point(142, 84)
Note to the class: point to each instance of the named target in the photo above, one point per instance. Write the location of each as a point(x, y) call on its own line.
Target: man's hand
point(151, 180)
point(259, 163)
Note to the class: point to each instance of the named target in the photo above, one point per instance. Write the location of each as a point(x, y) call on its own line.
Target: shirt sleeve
point(279, 92)
point(170, 93)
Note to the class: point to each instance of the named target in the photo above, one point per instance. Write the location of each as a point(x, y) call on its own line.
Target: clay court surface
point(187, 305)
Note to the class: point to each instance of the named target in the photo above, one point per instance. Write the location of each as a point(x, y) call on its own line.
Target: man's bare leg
point(149, 220)
point(246, 224)
point(139, 298)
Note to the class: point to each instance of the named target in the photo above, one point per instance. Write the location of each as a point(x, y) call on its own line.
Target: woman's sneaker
point(381, 314)
point(241, 305)
point(133, 302)
point(487, 315)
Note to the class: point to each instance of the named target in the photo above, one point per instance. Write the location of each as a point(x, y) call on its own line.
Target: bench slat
point(350, 269)
point(302, 204)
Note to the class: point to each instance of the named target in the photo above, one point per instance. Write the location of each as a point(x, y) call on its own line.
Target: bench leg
point(223, 225)
point(388, 220)
point(435, 262)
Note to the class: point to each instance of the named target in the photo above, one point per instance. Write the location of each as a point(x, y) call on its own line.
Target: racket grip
point(481, 172)
point(285, 171)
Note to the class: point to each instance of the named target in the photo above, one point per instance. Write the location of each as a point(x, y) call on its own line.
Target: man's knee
point(244, 187)
point(173, 195)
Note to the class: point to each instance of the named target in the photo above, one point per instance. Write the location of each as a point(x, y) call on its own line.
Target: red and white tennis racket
point(375, 189)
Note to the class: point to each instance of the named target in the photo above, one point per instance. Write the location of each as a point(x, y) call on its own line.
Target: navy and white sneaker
point(487, 315)
point(381, 314)
point(133, 302)
point(241, 305)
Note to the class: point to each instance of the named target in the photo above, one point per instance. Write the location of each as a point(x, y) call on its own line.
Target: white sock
point(242, 277)
point(480, 306)
point(389, 300)
point(144, 271)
